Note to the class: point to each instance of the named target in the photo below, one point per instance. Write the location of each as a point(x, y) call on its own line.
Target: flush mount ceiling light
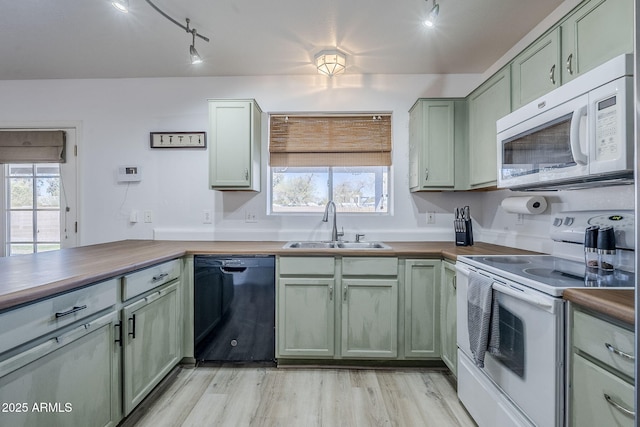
point(123, 6)
point(331, 62)
point(433, 15)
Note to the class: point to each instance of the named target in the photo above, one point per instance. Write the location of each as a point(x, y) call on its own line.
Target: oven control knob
point(557, 222)
point(568, 220)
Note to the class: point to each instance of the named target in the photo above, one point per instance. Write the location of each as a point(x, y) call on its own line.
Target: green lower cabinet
point(71, 380)
point(600, 398)
point(369, 318)
point(448, 320)
point(152, 343)
point(422, 309)
point(306, 316)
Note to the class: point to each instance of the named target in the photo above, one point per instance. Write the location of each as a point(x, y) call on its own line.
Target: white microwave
point(578, 135)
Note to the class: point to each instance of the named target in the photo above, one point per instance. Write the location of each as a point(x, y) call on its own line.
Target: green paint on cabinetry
point(235, 136)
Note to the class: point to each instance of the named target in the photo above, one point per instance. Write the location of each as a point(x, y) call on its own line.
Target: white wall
point(117, 115)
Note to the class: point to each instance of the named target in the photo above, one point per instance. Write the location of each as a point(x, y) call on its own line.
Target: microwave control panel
point(607, 137)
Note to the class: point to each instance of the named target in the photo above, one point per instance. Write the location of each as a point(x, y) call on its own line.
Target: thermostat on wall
point(129, 174)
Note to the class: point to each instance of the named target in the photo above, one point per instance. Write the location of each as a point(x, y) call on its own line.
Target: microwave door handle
point(574, 136)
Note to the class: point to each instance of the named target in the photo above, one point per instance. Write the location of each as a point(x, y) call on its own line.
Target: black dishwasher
point(234, 308)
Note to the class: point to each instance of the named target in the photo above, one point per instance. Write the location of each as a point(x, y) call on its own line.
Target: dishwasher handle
point(232, 270)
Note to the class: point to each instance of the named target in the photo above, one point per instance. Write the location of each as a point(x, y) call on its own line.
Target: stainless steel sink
point(309, 245)
point(336, 245)
point(363, 245)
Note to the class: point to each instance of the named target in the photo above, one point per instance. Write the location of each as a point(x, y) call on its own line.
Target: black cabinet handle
point(119, 334)
point(70, 311)
point(133, 327)
point(160, 277)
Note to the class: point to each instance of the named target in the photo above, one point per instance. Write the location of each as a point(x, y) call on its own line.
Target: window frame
point(389, 193)
point(69, 170)
point(326, 147)
point(34, 210)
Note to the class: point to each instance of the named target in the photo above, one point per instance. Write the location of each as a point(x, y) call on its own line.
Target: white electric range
point(522, 384)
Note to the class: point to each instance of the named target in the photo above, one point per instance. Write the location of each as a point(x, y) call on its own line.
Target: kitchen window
point(38, 191)
point(316, 158)
point(33, 208)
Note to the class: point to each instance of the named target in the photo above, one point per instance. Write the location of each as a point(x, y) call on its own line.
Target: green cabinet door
point(488, 103)
point(536, 70)
point(369, 318)
point(151, 342)
point(306, 316)
point(599, 398)
point(448, 315)
point(72, 380)
point(234, 154)
point(422, 309)
point(431, 145)
point(596, 32)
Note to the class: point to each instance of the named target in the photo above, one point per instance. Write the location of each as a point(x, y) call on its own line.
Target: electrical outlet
point(250, 216)
point(206, 216)
point(148, 216)
point(431, 217)
point(520, 219)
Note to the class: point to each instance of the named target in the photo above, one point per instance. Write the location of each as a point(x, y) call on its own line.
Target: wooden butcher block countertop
point(27, 278)
point(616, 303)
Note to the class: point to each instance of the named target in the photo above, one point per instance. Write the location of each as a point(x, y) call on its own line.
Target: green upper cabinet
point(488, 103)
point(536, 70)
point(596, 32)
point(235, 135)
point(436, 138)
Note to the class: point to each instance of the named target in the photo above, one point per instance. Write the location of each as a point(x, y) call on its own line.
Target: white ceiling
point(44, 39)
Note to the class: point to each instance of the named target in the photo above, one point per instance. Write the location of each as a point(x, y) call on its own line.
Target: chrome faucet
point(325, 218)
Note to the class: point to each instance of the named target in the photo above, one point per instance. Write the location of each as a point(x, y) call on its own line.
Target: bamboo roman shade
point(46, 146)
point(341, 140)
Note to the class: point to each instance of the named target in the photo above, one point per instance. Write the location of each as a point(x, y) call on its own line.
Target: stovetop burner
point(549, 273)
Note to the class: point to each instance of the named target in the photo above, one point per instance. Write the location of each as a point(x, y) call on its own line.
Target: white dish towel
point(482, 320)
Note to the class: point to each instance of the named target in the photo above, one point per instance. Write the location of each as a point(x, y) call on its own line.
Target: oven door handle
point(522, 296)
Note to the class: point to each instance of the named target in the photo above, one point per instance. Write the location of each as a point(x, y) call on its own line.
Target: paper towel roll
point(533, 205)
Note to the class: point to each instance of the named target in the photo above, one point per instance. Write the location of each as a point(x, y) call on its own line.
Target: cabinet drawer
point(29, 322)
point(363, 266)
point(604, 341)
point(599, 397)
point(144, 280)
point(307, 266)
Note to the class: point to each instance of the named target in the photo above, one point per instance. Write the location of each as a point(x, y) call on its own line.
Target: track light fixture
point(195, 57)
point(433, 15)
point(123, 6)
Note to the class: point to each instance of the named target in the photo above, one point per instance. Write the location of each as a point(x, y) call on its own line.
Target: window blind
point(46, 146)
point(336, 140)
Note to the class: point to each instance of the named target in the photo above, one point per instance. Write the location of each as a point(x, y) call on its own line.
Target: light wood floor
point(267, 396)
